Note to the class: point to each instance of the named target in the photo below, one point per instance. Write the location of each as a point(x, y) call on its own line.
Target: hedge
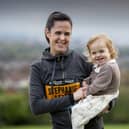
point(119, 114)
point(15, 110)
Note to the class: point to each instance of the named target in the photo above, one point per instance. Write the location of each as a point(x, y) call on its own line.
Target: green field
point(26, 127)
point(119, 126)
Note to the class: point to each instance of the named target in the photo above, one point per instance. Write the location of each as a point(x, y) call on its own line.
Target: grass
point(110, 126)
point(25, 127)
point(117, 126)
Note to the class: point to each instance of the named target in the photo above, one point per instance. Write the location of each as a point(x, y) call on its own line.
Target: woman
point(55, 80)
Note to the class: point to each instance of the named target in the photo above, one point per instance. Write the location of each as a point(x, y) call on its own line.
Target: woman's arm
point(39, 104)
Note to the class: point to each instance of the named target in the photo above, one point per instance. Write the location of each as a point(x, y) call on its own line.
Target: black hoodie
point(54, 75)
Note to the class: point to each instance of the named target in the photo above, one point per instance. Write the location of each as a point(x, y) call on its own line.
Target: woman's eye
point(66, 33)
point(58, 33)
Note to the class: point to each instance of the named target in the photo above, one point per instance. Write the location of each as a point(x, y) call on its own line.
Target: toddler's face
point(99, 52)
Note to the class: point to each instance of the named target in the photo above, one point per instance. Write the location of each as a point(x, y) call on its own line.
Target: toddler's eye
point(93, 53)
point(101, 51)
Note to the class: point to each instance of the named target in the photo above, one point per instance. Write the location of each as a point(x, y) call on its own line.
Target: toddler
point(102, 84)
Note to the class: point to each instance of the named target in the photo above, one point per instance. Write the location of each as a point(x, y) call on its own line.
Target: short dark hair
point(56, 16)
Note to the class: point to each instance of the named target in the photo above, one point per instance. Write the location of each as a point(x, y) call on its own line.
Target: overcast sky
point(26, 18)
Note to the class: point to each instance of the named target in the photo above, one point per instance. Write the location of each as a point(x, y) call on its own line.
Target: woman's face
point(59, 37)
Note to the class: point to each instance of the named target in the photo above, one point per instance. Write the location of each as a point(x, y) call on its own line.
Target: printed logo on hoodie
point(55, 91)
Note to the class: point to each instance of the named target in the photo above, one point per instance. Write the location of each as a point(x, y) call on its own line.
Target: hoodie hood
point(46, 54)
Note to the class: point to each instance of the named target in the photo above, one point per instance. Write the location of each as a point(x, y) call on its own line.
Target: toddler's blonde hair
point(108, 42)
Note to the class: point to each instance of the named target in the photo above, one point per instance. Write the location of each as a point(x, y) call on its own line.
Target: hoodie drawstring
point(62, 68)
point(53, 71)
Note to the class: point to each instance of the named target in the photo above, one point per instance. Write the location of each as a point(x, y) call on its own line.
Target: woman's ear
point(47, 33)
